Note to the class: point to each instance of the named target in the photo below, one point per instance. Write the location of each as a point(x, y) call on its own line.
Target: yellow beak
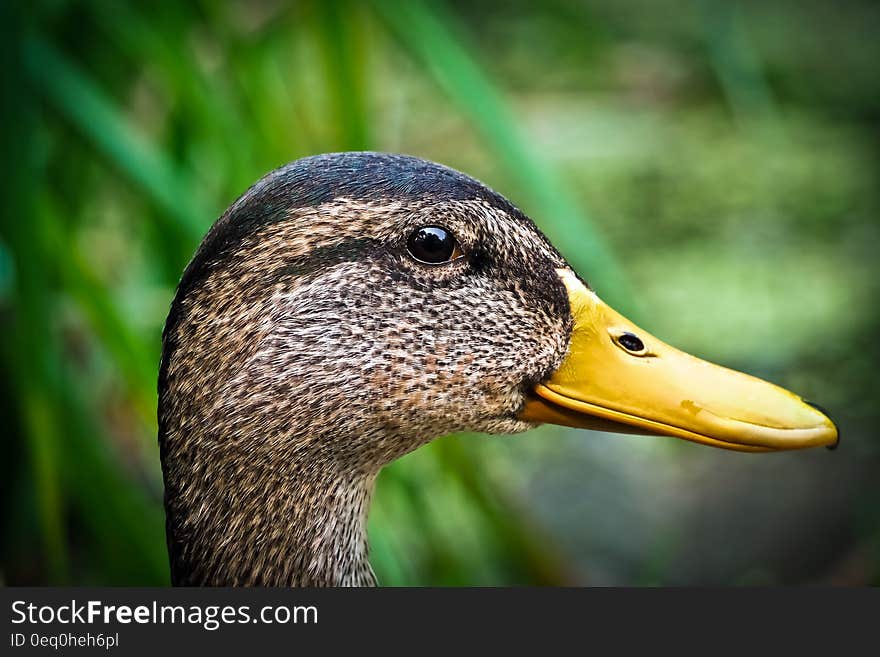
point(616, 377)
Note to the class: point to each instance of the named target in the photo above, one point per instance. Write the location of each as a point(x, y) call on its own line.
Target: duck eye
point(631, 342)
point(433, 245)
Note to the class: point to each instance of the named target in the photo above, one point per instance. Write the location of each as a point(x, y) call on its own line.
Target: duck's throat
point(300, 530)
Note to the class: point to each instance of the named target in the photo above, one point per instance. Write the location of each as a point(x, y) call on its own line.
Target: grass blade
point(74, 95)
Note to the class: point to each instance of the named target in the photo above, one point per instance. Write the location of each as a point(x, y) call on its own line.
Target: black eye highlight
point(433, 245)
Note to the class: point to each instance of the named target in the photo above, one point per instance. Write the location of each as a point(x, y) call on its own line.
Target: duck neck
point(307, 527)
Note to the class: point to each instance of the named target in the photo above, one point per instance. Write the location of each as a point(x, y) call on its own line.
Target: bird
point(349, 308)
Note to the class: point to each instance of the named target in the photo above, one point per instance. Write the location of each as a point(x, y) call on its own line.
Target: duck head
point(349, 308)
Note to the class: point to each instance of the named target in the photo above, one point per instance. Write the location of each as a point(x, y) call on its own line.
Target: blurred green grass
point(713, 156)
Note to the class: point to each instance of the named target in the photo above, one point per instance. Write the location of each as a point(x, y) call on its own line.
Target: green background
point(711, 168)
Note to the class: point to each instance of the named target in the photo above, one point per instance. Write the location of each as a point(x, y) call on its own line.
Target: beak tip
point(833, 446)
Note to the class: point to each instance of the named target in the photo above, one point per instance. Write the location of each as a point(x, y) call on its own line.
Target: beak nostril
point(828, 415)
point(631, 342)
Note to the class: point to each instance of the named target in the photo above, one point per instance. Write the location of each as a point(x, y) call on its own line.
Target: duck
point(349, 308)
